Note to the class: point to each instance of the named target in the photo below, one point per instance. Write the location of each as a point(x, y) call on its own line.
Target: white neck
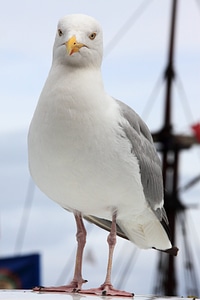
point(79, 87)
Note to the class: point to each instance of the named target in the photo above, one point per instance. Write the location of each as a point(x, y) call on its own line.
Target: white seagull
point(93, 154)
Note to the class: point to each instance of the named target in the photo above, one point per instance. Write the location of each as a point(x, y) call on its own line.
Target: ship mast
point(170, 145)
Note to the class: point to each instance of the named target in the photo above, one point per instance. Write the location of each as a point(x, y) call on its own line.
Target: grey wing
point(150, 166)
point(105, 224)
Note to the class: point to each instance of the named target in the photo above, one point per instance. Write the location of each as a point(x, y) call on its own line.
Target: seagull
point(93, 155)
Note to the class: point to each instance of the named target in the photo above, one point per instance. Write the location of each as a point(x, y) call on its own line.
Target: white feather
point(78, 153)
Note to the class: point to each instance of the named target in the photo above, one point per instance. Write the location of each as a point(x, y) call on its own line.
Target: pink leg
point(76, 284)
point(106, 288)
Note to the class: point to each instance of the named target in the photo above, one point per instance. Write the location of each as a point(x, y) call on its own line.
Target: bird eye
point(60, 33)
point(92, 35)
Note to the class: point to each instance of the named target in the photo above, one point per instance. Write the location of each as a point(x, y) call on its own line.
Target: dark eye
point(92, 35)
point(60, 33)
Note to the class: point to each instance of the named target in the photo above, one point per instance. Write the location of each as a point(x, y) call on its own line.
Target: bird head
point(79, 40)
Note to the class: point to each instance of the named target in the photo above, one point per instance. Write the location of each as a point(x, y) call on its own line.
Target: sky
point(136, 35)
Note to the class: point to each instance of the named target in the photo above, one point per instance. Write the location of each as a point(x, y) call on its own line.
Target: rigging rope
point(150, 102)
point(198, 4)
point(68, 267)
point(185, 102)
point(126, 27)
point(182, 95)
point(127, 267)
point(190, 184)
point(25, 216)
point(191, 281)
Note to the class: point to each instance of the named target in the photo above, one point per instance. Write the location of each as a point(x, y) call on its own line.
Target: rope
point(151, 101)
point(198, 4)
point(184, 100)
point(125, 27)
point(126, 272)
point(69, 266)
point(191, 281)
point(25, 217)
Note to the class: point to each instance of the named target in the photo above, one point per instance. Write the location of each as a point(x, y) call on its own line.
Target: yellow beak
point(73, 46)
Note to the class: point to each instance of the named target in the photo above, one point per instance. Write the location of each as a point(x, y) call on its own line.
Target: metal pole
point(170, 159)
point(169, 72)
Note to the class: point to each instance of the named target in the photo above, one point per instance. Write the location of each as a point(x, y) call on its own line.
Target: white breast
point(80, 157)
point(82, 160)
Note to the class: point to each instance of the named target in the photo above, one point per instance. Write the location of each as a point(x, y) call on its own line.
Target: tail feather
point(106, 225)
point(172, 251)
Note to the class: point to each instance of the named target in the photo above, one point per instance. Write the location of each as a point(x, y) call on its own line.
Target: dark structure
point(170, 145)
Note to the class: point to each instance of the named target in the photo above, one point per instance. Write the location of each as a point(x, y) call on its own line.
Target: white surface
point(28, 294)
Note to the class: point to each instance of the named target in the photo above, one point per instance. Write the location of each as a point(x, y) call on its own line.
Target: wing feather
point(150, 165)
point(143, 148)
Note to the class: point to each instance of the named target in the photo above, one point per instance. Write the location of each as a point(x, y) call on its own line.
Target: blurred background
point(136, 70)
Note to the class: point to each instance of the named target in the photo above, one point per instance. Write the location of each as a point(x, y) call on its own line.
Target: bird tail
point(106, 225)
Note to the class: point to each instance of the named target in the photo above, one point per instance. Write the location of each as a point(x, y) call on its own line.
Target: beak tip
point(73, 46)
